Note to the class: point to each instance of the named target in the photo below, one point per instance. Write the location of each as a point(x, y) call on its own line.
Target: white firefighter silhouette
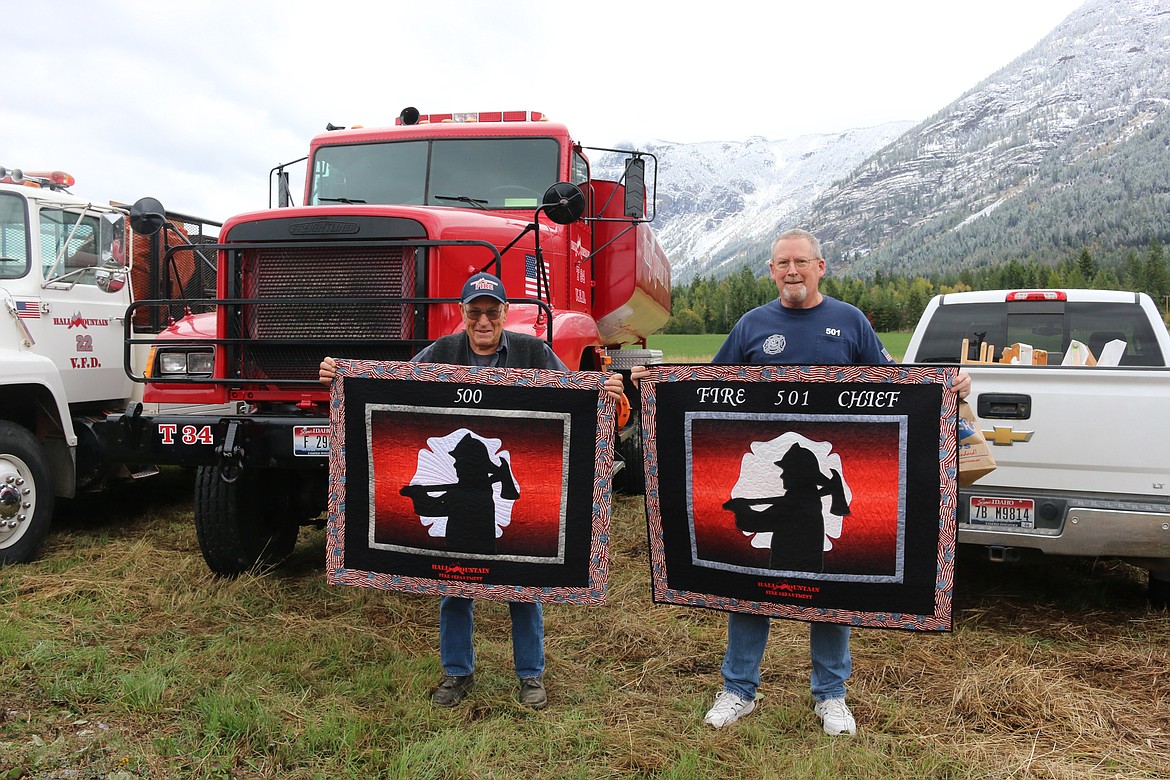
point(463, 490)
point(790, 497)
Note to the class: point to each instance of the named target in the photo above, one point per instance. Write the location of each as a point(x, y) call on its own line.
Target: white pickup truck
point(1083, 451)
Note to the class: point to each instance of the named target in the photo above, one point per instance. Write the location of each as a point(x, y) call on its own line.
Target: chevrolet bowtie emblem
point(1005, 436)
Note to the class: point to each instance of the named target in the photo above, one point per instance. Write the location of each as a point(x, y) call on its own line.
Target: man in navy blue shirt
point(802, 326)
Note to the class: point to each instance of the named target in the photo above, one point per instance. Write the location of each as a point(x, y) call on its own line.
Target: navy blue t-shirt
point(830, 333)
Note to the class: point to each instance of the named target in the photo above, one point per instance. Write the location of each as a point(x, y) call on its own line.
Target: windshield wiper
point(479, 204)
point(342, 200)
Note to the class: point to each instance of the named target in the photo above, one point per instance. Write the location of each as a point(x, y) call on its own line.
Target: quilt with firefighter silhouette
point(816, 493)
point(476, 482)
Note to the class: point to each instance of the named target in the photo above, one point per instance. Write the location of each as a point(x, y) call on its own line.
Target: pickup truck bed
point(1089, 446)
point(1083, 452)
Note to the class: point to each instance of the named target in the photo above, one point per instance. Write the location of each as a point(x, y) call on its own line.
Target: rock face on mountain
point(717, 200)
point(1041, 157)
point(1067, 147)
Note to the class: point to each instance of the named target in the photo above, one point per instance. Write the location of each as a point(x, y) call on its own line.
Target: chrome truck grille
point(371, 328)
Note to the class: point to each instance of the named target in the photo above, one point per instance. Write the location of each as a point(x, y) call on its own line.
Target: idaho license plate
point(311, 441)
point(996, 511)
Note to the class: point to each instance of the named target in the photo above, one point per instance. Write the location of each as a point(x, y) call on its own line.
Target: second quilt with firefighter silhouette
point(476, 482)
point(818, 493)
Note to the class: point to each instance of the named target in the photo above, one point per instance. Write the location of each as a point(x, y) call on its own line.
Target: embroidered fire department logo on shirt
point(774, 344)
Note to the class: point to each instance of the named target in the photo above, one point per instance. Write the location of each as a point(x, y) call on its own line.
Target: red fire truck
point(395, 219)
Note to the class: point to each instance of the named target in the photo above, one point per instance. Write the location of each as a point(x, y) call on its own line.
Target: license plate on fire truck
point(311, 441)
point(997, 511)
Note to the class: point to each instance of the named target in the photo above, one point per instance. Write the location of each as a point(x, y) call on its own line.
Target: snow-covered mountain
point(1064, 148)
point(1061, 149)
point(716, 199)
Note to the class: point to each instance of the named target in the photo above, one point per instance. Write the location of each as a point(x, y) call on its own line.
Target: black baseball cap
point(484, 284)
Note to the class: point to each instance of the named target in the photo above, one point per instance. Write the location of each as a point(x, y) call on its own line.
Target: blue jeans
point(457, 621)
point(747, 636)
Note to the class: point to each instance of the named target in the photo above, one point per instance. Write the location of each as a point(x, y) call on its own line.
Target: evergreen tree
point(1014, 276)
point(1157, 275)
point(741, 295)
point(1106, 279)
point(1134, 272)
point(765, 290)
point(1086, 264)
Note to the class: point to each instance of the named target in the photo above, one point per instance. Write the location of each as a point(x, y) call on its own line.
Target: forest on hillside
point(1107, 196)
point(895, 302)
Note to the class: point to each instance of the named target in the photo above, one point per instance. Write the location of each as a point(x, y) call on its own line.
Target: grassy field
point(122, 657)
point(701, 348)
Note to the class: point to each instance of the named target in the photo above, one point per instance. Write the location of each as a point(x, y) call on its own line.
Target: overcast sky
point(194, 102)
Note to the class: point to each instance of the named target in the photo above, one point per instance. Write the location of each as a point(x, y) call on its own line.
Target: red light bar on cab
point(479, 116)
point(1036, 295)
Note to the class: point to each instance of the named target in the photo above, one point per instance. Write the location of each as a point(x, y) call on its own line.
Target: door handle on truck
point(1004, 406)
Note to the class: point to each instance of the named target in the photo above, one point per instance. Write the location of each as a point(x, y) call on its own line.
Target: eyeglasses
point(800, 263)
point(475, 314)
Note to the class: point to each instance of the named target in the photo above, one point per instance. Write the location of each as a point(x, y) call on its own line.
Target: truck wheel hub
point(10, 497)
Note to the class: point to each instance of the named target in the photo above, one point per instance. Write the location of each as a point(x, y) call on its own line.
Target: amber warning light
point(54, 180)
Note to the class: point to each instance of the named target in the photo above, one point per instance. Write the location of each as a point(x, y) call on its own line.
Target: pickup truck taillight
point(1036, 295)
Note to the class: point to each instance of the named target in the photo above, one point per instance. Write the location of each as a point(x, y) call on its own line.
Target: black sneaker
point(532, 693)
point(452, 689)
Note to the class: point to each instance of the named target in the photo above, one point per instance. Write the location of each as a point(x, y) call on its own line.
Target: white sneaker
point(728, 708)
point(835, 717)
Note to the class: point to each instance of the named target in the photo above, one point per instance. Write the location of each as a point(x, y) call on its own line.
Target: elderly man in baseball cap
point(484, 342)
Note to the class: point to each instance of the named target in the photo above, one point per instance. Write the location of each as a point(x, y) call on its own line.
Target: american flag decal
point(530, 277)
point(28, 310)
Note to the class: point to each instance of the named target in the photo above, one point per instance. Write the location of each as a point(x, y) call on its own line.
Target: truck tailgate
point(1079, 429)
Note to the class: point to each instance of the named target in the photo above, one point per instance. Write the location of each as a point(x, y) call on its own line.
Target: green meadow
point(700, 348)
point(123, 658)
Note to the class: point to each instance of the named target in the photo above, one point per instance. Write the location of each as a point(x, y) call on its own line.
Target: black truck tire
point(26, 494)
point(245, 524)
point(1158, 591)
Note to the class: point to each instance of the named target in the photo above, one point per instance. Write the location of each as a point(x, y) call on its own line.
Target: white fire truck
point(68, 269)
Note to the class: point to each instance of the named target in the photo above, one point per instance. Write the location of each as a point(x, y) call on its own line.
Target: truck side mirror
point(563, 202)
point(111, 280)
point(147, 216)
point(112, 240)
point(283, 193)
point(635, 178)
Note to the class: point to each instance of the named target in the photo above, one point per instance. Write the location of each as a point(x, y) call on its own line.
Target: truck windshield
point(1043, 325)
point(13, 237)
point(484, 173)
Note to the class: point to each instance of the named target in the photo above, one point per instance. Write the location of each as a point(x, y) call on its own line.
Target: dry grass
point(119, 653)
